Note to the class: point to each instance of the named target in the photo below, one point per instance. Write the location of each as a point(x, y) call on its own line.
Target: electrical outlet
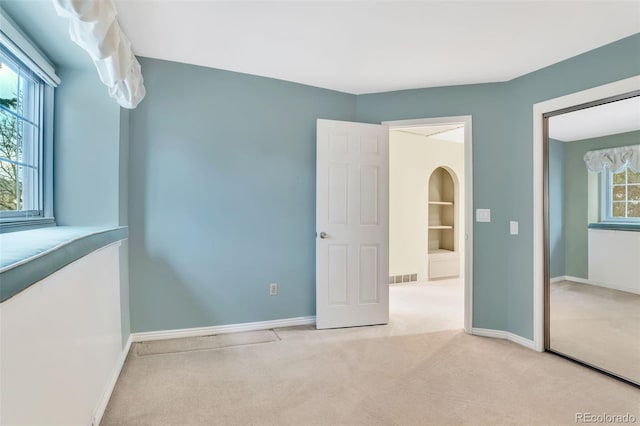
point(273, 289)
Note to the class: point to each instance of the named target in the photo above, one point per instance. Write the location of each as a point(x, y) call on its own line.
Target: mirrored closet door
point(592, 229)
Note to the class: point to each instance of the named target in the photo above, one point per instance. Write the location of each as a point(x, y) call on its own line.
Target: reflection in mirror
point(593, 236)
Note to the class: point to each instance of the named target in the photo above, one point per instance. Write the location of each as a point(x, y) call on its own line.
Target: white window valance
point(615, 159)
point(94, 27)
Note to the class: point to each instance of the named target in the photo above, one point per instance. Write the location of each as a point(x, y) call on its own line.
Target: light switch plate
point(513, 227)
point(483, 215)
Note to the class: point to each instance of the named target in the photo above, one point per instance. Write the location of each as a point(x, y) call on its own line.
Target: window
point(21, 116)
point(622, 195)
point(27, 82)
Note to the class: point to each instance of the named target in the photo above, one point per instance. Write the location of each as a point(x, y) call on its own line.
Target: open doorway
point(429, 284)
point(352, 225)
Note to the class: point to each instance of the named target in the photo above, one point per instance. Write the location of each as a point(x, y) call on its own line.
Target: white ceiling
point(373, 46)
point(429, 130)
point(602, 120)
point(454, 135)
point(445, 132)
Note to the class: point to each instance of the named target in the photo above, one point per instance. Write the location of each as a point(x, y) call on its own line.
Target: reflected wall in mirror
point(593, 234)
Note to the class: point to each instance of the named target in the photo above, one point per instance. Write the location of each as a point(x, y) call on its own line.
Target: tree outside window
point(625, 194)
point(19, 139)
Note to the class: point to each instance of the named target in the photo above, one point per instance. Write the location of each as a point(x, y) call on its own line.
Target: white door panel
point(352, 214)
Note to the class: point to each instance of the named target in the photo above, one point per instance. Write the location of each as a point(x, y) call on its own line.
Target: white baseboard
point(249, 326)
point(111, 384)
point(598, 284)
point(185, 332)
point(499, 334)
point(558, 279)
point(221, 329)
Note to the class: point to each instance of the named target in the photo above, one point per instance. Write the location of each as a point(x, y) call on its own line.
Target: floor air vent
point(190, 344)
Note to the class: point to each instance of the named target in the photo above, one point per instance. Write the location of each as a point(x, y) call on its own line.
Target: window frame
point(25, 54)
point(606, 200)
point(38, 212)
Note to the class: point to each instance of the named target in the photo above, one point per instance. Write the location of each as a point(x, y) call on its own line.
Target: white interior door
point(352, 224)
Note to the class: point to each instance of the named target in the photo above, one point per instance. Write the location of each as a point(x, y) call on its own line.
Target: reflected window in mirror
point(622, 200)
point(592, 222)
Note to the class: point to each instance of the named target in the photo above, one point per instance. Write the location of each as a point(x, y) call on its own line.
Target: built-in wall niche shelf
point(443, 258)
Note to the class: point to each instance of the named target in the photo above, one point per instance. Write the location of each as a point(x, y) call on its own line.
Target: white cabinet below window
point(613, 259)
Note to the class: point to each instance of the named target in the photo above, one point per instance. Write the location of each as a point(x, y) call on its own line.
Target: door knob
point(323, 235)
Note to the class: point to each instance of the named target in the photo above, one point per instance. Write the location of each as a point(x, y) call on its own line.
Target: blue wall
point(90, 141)
point(503, 166)
point(91, 150)
point(86, 151)
point(556, 208)
point(86, 123)
point(576, 202)
point(222, 196)
point(222, 186)
point(91, 135)
point(221, 183)
point(492, 144)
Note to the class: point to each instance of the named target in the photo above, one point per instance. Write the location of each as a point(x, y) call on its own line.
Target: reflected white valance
point(93, 26)
point(615, 159)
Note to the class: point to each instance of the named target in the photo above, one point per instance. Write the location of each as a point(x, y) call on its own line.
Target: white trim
point(25, 50)
point(220, 329)
point(589, 95)
point(558, 279)
point(499, 334)
point(47, 151)
point(111, 384)
point(606, 194)
point(468, 182)
point(595, 283)
point(11, 222)
point(185, 332)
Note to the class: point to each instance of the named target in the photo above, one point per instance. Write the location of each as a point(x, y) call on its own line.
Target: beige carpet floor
point(597, 325)
point(384, 375)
